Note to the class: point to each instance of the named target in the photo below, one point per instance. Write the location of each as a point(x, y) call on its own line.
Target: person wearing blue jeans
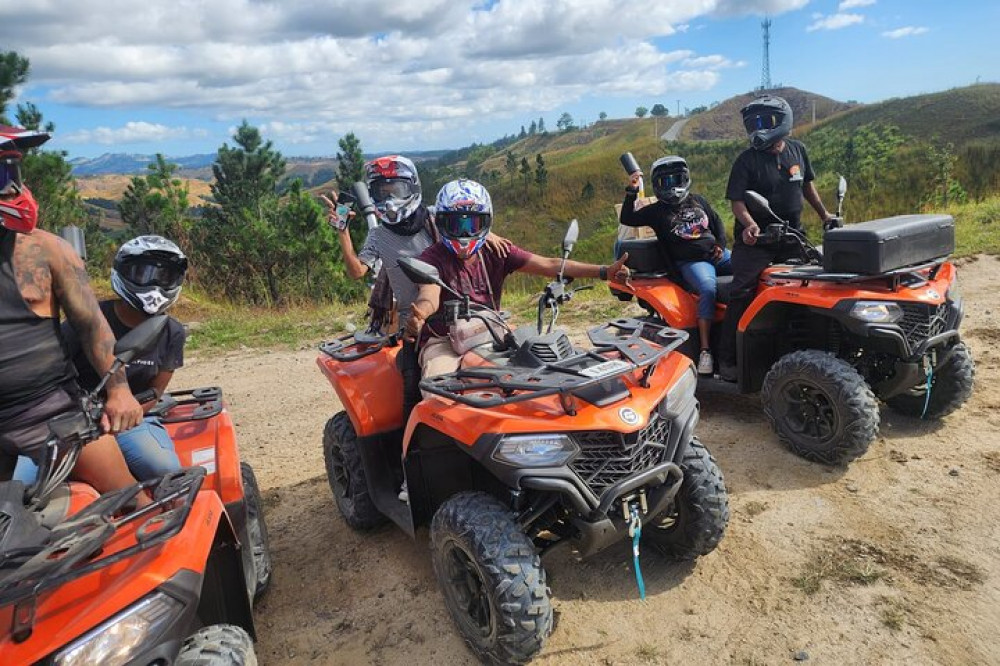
point(147, 276)
point(690, 232)
point(147, 448)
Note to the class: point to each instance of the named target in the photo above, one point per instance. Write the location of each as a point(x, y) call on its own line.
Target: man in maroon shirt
point(464, 215)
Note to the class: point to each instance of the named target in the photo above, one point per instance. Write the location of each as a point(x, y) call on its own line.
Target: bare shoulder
point(60, 254)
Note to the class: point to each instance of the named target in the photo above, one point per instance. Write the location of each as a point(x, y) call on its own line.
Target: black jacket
point(687, 231)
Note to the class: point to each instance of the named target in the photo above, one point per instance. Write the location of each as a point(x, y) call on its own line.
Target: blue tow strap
point(927, 397)
point(635, 529)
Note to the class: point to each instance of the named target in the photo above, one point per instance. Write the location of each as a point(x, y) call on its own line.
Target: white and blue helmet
point(463, 214)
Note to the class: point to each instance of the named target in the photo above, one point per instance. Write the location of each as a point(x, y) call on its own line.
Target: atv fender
point(370, 389)
point(675, 306)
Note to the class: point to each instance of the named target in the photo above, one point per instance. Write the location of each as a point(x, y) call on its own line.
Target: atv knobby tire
point(217, 645)
point(257, 531)
point(696, 520)
point(951, 386)
point(491, 577)
point(820, 407)
point(346, 474)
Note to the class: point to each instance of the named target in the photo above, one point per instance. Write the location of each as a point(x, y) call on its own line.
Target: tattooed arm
point(73, 294)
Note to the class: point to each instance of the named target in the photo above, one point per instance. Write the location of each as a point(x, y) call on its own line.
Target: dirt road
point(893, 560)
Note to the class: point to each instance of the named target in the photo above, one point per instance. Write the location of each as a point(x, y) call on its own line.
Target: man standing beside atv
point(41, 275)
point(691, 234)
point(464, 216)
point(777, 168)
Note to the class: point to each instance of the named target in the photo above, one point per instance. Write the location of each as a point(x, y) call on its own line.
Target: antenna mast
point(765, 74)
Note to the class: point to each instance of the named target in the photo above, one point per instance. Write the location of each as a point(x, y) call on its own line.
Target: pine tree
point(541, 174)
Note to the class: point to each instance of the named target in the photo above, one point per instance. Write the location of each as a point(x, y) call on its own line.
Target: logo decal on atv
point(628, 416)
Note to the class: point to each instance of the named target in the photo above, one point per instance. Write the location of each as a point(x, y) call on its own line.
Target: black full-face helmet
point(148, 273)
point(767, 120)
point(671, 179)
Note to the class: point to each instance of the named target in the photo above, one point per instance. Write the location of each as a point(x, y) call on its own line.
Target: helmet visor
point(383, 190)
point(762, 120)
point(670, 180)
point(153, 272)
point(10, 174)
point(462, 224)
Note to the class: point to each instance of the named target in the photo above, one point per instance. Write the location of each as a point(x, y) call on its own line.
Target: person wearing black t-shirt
point(147, 276)
point(690, 232)
point(777, 168)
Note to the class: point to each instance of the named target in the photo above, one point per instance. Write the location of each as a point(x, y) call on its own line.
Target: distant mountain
point(199, 166)
point(127, 163)
point(723, 121)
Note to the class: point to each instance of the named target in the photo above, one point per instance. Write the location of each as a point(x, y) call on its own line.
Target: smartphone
point(342, 210)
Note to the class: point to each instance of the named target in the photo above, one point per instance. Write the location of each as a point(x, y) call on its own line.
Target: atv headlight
point(115, 641)
point(543, 450)
point(877, 312)
point(680, 395)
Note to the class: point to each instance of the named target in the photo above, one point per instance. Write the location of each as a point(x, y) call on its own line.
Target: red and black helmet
point(18, 208)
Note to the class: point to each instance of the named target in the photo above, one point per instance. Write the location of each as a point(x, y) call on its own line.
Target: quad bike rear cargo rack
point(807, 274)
point(65, 554)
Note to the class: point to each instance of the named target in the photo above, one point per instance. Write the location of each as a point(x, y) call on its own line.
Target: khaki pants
point(438, 358)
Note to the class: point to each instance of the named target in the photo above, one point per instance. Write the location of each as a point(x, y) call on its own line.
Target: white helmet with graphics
point(148, 273)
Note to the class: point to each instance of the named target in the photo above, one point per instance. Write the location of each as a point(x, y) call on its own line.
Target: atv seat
point(648, 260)
point(723, 289)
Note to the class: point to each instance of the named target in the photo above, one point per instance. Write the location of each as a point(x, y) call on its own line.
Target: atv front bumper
point(609, 469)
point(924, 331)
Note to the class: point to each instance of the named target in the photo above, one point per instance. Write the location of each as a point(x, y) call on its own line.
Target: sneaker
point(705, 363)
point(727, 372)
point(404, 494)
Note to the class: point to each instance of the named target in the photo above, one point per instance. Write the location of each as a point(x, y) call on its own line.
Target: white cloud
point(854, 4)
point(132, 132)
point(318, 68)
point(907, 31)
point(834, 22)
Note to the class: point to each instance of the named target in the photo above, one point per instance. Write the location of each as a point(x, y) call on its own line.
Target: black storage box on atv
point(881, 246)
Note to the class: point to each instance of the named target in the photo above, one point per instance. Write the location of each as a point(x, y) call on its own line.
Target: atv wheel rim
point(469, 591)
point(809, 411)
point(341, 477)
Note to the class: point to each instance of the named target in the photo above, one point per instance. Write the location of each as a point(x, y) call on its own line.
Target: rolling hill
point(723, 121)
point(956, 116)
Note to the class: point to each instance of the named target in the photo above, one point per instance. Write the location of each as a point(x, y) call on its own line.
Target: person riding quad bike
point(400, 226)
point(872, 315)
point(147, 276)
point(95, 579)
point(40, 277)
point(530, 442)
point(691, 235)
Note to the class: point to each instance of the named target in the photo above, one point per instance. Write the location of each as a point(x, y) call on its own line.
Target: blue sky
point(175, 76)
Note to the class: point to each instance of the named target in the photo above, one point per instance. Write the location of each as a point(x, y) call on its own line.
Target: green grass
point(234, 328)
point(977, 227)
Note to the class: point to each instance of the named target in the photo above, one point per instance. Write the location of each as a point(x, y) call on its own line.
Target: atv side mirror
point(73, 235)
point(365, 204)
point(140, 338)
point(420, 272)
point(841, 187)
point(759, 207)
point(572, 234)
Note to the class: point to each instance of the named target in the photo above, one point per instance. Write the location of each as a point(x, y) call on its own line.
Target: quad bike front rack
point(620, 347)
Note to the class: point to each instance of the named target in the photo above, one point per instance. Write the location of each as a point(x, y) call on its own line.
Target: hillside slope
point(723, 121)
point(957, 116)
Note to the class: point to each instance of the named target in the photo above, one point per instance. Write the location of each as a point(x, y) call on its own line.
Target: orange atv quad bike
point(532, 443)
point(90, 579)
point(871, 315)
